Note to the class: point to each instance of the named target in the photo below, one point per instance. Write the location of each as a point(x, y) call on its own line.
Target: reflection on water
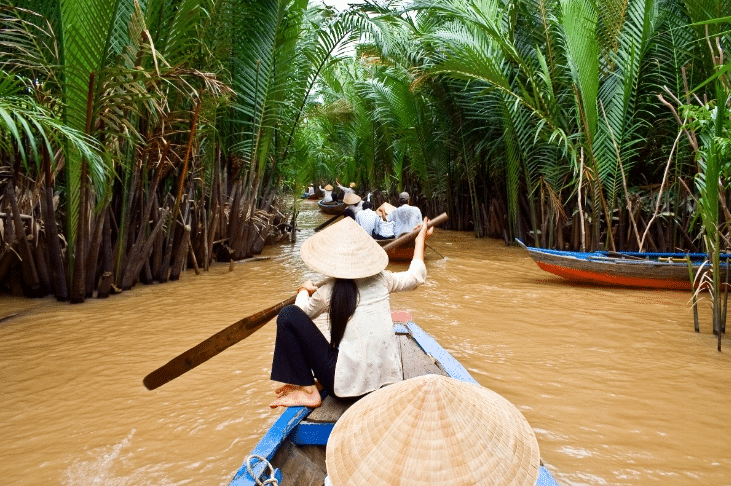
point(617, 386)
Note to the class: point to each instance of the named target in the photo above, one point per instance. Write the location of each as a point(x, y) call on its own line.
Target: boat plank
point(415, 362)
point(309, 433)
point(330, 410)
point(301, 465)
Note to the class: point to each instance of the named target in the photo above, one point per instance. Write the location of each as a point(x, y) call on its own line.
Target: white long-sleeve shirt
point(406, 218)
point(328, 195)
point(367, 219)
point(385, 229)
point(369, 355)
point(345, 190)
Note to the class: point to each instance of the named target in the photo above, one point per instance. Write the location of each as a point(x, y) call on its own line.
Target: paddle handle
point(239, 330)
point(405, 238)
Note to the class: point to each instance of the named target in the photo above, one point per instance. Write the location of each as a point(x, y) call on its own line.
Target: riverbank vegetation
point(141, 137)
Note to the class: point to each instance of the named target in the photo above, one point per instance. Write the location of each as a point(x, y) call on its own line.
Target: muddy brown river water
point(616, 385)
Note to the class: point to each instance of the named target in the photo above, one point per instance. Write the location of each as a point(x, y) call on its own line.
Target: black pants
point(301, 351)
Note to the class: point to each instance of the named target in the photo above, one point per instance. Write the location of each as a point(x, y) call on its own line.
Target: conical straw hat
point(351, 198)
point(352, 184)
point(344, 250)
point(328, 187)
point(429, 431)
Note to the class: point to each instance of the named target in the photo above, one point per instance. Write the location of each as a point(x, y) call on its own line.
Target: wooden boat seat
point(330, 410)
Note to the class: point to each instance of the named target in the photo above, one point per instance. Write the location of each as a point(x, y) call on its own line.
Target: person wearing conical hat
point(346, 190)
point(363, 352)
point(353, 204)
point(328, 193)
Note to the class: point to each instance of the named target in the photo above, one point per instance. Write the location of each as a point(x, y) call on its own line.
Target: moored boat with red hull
point(667, 271)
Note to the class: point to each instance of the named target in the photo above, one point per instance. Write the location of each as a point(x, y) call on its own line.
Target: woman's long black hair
point(343, 302)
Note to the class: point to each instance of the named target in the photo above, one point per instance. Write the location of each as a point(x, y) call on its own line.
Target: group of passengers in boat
point(381, 223)
point(327, 191)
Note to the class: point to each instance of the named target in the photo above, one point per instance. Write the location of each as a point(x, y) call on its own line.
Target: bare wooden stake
point(695, 298)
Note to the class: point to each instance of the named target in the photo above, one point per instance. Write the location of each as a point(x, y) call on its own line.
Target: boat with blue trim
point(293, 450)
point(668, 271)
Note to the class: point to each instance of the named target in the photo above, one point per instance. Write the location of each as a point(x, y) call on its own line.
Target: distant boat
point(332, 207)
point(623, 269)
point(295, 443)
point(402, 253)
point(314, 196)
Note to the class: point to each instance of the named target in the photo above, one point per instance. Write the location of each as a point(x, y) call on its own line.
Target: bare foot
point(284, 389)
point(287, 388)
point(298, 396)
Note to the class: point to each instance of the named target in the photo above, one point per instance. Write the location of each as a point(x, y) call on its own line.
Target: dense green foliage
point(142, 129)
point(148, 134)
point(553, 121)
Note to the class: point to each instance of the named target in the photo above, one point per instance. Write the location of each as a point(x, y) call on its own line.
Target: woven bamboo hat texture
point(351, 198)
point(432, 430)
point(352, 184)
point(344, 250)
point(328, 187)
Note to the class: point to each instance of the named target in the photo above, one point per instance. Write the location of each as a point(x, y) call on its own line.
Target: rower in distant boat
point(328, 193)
point(405, 216)
point(352, 205)
point(384, 230)
point(346, 190)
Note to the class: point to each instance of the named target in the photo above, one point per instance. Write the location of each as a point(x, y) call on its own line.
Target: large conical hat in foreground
point(344, 250)
point(430, 431)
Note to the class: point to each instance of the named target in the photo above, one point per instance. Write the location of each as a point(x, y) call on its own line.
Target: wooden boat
point(313, 197)
point(403, 253)
point(294, 446)
point(624, 269)
point(332, 207)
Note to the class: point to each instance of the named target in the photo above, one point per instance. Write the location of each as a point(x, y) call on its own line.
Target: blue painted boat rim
point(584, 255)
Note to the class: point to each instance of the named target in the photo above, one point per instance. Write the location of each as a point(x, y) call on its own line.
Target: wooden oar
point(240, 330)
point(331, 220)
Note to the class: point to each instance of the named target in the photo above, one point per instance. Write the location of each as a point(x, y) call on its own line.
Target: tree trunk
point(58, 273)
point(105, 283)
point(30, 274)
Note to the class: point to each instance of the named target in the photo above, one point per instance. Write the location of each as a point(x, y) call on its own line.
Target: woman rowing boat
point(363, 353)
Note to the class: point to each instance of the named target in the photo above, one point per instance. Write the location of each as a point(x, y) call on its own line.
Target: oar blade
point(212, 346)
